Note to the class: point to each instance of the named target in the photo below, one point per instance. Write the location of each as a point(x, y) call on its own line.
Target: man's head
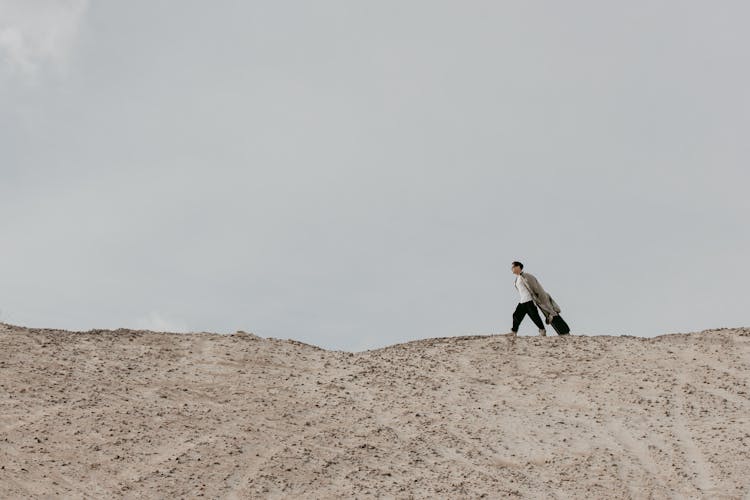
point(516, 267)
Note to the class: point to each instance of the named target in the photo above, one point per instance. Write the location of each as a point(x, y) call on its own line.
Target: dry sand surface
point(137, 414)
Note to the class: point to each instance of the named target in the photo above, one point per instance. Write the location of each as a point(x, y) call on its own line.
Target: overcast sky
point(356, 174)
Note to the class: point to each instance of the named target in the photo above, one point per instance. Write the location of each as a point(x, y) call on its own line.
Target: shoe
point(512, 334)
point(542, 333)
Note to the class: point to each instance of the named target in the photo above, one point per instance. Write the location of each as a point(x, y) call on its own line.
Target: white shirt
point(523, 289)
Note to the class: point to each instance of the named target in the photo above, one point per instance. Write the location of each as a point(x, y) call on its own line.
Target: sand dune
point(136, 414)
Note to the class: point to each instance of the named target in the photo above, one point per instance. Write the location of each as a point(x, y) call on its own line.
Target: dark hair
point(516, 263)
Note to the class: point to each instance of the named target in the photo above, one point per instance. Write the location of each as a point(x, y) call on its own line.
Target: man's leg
point(518, 316)
point(534, 315)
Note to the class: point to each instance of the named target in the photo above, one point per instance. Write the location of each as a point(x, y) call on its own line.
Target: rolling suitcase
point(560, 326)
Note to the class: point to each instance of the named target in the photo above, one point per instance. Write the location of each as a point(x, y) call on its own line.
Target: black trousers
point(522, 310)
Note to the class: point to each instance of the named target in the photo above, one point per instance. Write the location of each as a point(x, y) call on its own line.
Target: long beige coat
point(541, 298)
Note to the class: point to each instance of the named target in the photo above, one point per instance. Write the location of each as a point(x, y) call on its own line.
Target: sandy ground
point(138, 414)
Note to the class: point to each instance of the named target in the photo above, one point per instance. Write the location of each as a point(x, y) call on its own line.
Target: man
point(532, 295)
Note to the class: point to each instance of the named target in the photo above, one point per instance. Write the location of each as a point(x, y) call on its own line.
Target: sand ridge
point(136, 414)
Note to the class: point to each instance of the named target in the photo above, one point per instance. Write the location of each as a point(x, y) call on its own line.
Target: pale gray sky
point(355, 174)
